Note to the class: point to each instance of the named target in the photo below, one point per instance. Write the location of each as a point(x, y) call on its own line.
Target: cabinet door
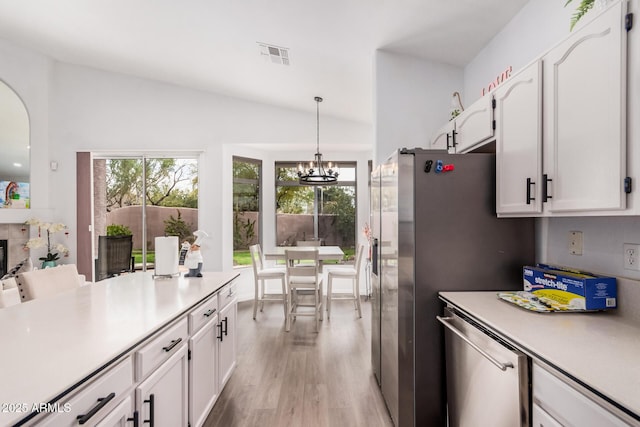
point(519, 142)
point(584, 116)
point(162, 398)
point(539, 418)
point(227, 342)
point(474, 125)
point(443, 138)
point(120, 415)
point(203, 372)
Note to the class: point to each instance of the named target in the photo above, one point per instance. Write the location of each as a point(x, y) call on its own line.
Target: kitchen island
point(598, 351)
point(52, 346)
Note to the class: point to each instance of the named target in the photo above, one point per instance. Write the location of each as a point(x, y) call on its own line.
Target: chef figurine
point(193, 259)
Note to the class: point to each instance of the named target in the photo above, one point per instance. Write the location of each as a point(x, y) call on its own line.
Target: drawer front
point(161, 348)
point(121, 416)
point(93, 401)
point(226, 294)
point(566, 404)
point(541, 419)
point(202, 314)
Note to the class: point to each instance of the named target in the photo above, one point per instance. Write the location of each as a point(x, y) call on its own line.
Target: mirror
point(14, 145)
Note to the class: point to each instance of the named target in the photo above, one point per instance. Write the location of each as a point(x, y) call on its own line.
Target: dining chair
point(47, 282)
point(352, 274)
point(303, 280)
point(260, 275)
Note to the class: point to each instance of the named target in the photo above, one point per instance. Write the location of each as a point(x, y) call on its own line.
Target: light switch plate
point(575, 242)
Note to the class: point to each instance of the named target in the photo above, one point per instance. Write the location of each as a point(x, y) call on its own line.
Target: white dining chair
point(350, 273)
point(260, 275)
point(303, 280)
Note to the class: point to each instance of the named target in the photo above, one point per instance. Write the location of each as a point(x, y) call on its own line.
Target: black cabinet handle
point(210, 312)
point(448, 137)
point(545, 188)
point(172, 344)
point(135, 419)
point(101, 402)
point(529, 184)
point(225, 325)
point(219, 326)
point(453, 133)
point(151, 402)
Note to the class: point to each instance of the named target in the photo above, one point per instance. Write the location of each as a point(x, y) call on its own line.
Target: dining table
point(325, 253)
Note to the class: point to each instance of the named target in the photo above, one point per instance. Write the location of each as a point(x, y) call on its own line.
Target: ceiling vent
point(274, 54)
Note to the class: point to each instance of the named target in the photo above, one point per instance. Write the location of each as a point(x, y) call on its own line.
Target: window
point(246, 207)
point(327, 213)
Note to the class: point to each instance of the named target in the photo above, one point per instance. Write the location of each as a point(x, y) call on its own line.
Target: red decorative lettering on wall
point(499, 79)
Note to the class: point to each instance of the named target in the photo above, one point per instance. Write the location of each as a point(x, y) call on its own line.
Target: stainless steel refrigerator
point(434, 229)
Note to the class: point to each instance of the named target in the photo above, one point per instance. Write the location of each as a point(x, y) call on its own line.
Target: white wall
point(412, 99)
point(538, 27)
point(76, 108)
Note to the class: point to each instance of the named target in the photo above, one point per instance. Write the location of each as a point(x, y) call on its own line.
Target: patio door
point(145, 196)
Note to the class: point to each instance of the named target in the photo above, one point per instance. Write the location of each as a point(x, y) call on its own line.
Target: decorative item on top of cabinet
point(584, 117)
point(519, 142)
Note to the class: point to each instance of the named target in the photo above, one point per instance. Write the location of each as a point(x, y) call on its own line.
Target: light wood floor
point(302, 378)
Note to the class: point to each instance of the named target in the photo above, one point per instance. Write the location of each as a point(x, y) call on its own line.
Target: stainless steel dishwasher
point(487, 379)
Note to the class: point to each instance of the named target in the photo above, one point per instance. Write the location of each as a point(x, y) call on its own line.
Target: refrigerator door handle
point(374, 257)
point(501, 365)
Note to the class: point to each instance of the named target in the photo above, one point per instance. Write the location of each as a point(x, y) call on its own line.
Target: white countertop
point(52, 343)
point(601, 349)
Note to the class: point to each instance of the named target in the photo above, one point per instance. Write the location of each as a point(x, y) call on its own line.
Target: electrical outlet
point(631, 256)
point(575, 242)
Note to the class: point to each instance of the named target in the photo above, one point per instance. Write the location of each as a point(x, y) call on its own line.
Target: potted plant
point(581, 10)
point(54, 250)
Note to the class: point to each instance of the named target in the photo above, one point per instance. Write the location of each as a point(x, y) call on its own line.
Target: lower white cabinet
point(203, 372)
point(541, 419)
point(161, 399)
point(94, 401)
point(176, 379)
point(122, 415)
point(563, 402)
point(227, 344)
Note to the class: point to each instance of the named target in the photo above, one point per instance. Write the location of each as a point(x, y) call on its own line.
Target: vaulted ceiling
point(215, 45)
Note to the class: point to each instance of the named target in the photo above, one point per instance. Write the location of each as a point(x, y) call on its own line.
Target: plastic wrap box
point(577, 290)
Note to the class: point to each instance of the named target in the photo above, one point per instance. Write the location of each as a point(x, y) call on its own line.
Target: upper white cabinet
point(467, 131)
point(561, 126)
point(474, 125)
point(584, 121)
point(518, 116)
point(443, 138)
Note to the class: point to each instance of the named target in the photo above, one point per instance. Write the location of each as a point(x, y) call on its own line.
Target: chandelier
point(315, 173)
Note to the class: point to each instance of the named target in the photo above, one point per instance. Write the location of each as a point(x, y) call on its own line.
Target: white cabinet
point(96, 399)
point(567, 403)
point(518, 116)
point(584, 94)
point(121, 416)
point(203, 362)
point(467, 131)
point(443, 138)
point(227, 335)
point(161, 399)
point(540, 418)
point(474, 125)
